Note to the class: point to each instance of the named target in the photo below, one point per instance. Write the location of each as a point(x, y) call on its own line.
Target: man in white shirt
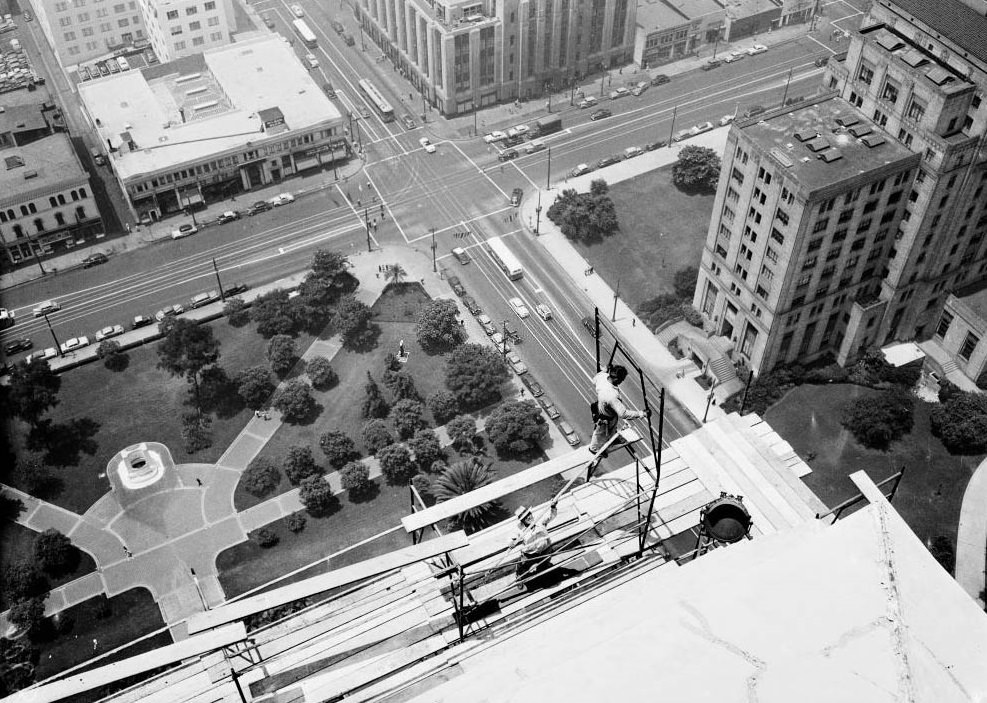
point(535, 543)
point(609, 409)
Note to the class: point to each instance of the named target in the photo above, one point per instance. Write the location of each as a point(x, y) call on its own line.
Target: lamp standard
point(58, 347)
point(434, 266)
point(538, 214)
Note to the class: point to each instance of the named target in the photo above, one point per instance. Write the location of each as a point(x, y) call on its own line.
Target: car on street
point(640, 88)
point(428, 146)
point(269, 22)
point(600, 114)
point(533, 146)
point(544, 312)
point(141, 321)
point(494, 136)
point(27, 17)
point(337, 26)
point(500, 342)
point(590, 324)
point(7, 318)
point(632, 151)
point(725, 120)
point(754, 110)
point(549, 407)
point(486, 323)
point(821, 61)
point(297, 11)
point(169, 312)
point(701, 128)
point(49, 353)
point(203, 299)
point(608, 161)
point(511, 332)
point(94, 259)
point(579, 170)
point(227, 216)
point(235, 289)
point(521, 129)
point(258, 207)
point(588, 101)
point(311, 61)
point(516, 196)
point(46, 308)
point(409, 122)
point(735, 55)
point(682, 134)
point(651, 146)
point(73, 343)
point(110, 331)
point(711, 64)
point(16, 345)
point(515, 361)
point(571, 436)
point(660, 79)
point(757, 49)
point(329, 91)
point(281, 199)
point(364, 112)
point(457, 286)
point(533, 386)
point(520, 309)
point(618, 93)
point(461, 255)
point(470, 302)
point(184, 231)
point(508, 155)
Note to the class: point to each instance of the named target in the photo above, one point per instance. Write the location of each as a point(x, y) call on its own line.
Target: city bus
point(373, 95)
point(305, 34)
point(503, 257)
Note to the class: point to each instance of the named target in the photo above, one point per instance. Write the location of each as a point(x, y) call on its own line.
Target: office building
point(179, 28)
point(83, 30)
point(466, 54)
point(669, 31)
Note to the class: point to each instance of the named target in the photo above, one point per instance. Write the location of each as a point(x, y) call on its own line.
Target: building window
point(821, 225)
point(916, 111)
point(191, 10)
point(944, 322)
point(172, 14)
point(890, 92)
point(194, 26)
point(782, 216)
point(866, 74)
point(198, 41)
point(969, 344)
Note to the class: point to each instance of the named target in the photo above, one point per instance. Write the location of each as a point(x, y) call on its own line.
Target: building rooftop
point(824, 142)
point(950, 19)
point(921, 62)
point(209, 105)
point(22, 118)
point(43, 166)
point(665, 14)
point(974, 297)
point(738, 9)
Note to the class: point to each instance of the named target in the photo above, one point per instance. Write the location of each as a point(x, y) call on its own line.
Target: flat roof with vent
point(916, 58)
point(823, 163)
point(39, 168)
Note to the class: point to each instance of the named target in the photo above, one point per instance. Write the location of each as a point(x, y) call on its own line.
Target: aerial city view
point(479, 350)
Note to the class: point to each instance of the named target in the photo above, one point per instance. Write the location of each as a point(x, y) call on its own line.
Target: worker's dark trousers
point(533, 564)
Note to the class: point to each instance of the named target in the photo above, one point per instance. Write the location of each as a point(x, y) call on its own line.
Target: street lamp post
point(503, 342)
point(616, 294)
point(366, 222)
point(434, 266)
point(787, 83)
point(58, 347)
point(538, 214)
point(671, 131)
point(222, 295)
point(423, 107)
point(548, 173)
point(37, 259)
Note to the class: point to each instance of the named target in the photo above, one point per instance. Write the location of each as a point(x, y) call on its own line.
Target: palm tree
point(395, 272)
point(461, 478)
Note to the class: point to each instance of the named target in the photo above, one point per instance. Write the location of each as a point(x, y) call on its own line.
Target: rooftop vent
point(13, 162)
point(30, 174)
point(782, 158)
point(847, 121)
point(939, 75)
point(804, 135)
point(914, 58)
point(889, 41)
point(873, 140)
point(818, 144)
point(831, 155)
point(860, 130)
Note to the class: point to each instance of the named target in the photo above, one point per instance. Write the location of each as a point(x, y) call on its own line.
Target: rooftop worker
point(534, 540)
point(608, 410)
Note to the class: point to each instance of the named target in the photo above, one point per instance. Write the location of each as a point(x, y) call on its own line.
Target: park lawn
point(662, 230)
point(142, 403)
point(18, 545)
point(931, 492)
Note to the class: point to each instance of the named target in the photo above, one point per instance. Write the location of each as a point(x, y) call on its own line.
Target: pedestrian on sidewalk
point(198, 481)
point(95, 645)
point(130, 555)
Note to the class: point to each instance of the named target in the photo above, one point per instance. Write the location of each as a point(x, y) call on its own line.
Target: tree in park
point(321, 373)
point(374, 404)
point(423, 484)
point(461, 478)
point(685, 282)
point(355, 479)
point(667, 306)
point(11, 507)
point(282, 352)
point(27, 614)
point(196, 433)
point(33, 390)
point(186, 349)
point(218, 392)
point(426, 447)
point(352, 321)
point(438, 326)
point(877, 420)
point(401, 385)
point(272, 312)
point(376, 435)
point(23, 580)
point(236, 311)
point(961, 422)
point(261, 477)
point(585, 217)
point(516, 426)
point(443, 406)
point(338, 448)
point(475, 373)
point(55, 553)
point(317, 497)
point(295, 401)
point(407, 416)
point(698, 168)
point(462, 432)
point(113, 358)
point(396, 464)
point(299, 464)
point(255, 385)
point(35, 477)
point(333, 267)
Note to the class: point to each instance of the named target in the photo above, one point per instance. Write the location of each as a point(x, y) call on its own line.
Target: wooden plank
point(125, 668)
point(504, 487)
point(325, 582)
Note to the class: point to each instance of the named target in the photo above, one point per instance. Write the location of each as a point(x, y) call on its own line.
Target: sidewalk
point(971, 537)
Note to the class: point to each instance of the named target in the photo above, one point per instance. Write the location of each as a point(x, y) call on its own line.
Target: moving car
point(515, 361)
point(757, 49)
point(46, 308)
point(608, 161)
point(494, 136)
point(533, 146)
point(579, 170)
point(516, 196)
point(549, 407)
point(711, 64)
point(409, 122)
point(27, 17)
point(140, 321)
point(281, 199)
point(311, 61)
point(259, 206)
point(94, 260)
point(544, 312)
point(533, 386)
point(457, 286)
point(169, 312)
point(508, 155)
point(461, 255)
point(600, 114)
point(107, 332)
point(7, 318)
point(428, 146)
point(203, 299)
point(73, 343)
point(571, 436)
point(16, 345)
point(470, 302)
point(184, 231)
point(735, 55)
point(590, 324)
point(660, 79)
point(520, 309)
point(619, 93)
point(486, 323)
point(588, 101)
point(821, 61)
point(227, 216)
point(297, 11)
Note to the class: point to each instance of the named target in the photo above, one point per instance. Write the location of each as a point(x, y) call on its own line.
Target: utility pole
point(37, 258)
point(474, 119)
point(616, 294)
point(709, 401)
point(548, 174)
point(366, 222)
point(503, 342)
point(58, 347)
point(434, 266)
point(222, 295)
point(671, 131)
point(602, 78)
point(787, 83)
point(423, 107)
point(537, 214)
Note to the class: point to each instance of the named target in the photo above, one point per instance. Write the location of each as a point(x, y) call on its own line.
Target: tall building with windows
point(179, 28)
point(466, 54)
point(83, 30)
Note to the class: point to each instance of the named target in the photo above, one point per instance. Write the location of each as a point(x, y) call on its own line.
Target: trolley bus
point(305, 34)
point(503, 257)
point(373, 95)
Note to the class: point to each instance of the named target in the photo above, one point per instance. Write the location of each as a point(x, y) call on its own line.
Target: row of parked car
point(733, 56)
point(111, 65)
point(188, 229)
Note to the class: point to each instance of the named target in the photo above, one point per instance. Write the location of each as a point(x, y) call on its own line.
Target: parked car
point(409, 122)
point(184, 231)
point(549, 407)
point(461, 255)
point(516, 196)
point(227, 216)
point(311, 61)
point(103, 70)
point(619, 93)
point(470, 302)
point(510, 331)
point(73, 343)
point(494, 136)
point(533, 146)
point(711, 64)
point(281, 199)
point(515, 363)
point(533, 386)
point(337, 26)
point(821, 61)
point(457, 286)
point(486, 323)
point(46, 308)
point(268, 21)
point(94, 259)
point(632, 151)
point(651, 146)
point(754, 110)
point(608, 161)
point(588, 101)
point(571, 436)
point(500, 342)
point(297, 11)
point(508, 155)
point(660, 79)
point(329, 90)
point(259, 206)
point(757, 49)
point(521, 129)
point(544, 312)
point(520, 309)
point(579, 170)
point(141, 321)
point(203, 299)
point(701, 128)
point(682, 134)
point(16, 345)
point(735, 55)
point(49, 353)
point(107, 332)
point(590, 324)
point(169, 312)
point(725, 120)
point(640, 88)
point(235, 289)
point(600, 114)
point(428, 146)
point(514, 139)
